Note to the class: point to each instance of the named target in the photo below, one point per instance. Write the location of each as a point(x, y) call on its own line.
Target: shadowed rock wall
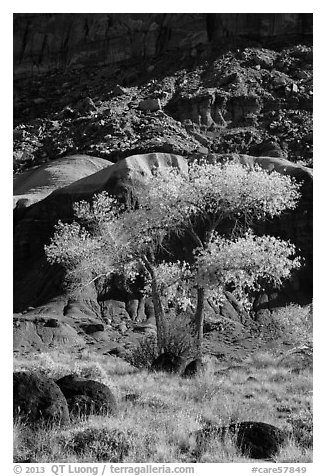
point(45, 42)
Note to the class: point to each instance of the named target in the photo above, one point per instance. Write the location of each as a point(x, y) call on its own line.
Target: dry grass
point(156, 424)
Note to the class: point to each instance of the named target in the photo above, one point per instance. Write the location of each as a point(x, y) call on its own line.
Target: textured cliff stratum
point(46, 41)
point(101, 98)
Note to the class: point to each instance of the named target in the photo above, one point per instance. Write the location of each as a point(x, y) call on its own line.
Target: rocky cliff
point(100, 98)
point(44, 42)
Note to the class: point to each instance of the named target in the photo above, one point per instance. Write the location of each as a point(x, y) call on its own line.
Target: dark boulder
point(258, 440)
point(38, 398)
point(80, 405)
point(98, 397)
point(167, 362)
point(193, 368)
point(254, 439)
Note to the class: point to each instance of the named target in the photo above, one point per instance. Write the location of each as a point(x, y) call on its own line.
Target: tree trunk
point(159, 316)
point(158, 308)
point(199, 320)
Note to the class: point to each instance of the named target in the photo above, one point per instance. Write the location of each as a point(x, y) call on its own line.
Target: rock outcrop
point(37, 183)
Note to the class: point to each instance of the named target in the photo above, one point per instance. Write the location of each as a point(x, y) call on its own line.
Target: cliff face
point(44, 42)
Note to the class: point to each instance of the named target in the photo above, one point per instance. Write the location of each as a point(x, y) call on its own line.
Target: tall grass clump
point(302, 427)
point(179, 340)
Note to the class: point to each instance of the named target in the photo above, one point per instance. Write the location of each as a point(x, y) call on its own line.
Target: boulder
point(256, 440)
point(205, 363)
point(193, 368)
point(167, 362)
point(38, 398)
point(98, 397)
point(80, 405)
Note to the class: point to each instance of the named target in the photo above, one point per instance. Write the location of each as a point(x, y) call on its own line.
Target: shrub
point(101, 444)
point(92, 371)
point(179, 338)
point(302, 427)
point(179, 341)
point(143, 355)
point(293, 323)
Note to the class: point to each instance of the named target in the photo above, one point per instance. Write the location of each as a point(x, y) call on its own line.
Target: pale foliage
point(93, 247)
point(245, 264)
point(115, 238)
point(213, 192)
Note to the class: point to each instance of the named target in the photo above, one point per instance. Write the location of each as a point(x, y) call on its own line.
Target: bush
point(302, 427)
point(180, 340)
point(293, 323)
point(143, 355)
point(91, 371)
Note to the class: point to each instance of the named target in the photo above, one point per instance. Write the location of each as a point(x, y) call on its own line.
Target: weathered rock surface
point(37, 183)
point(34, 334)
point(37, 399)
point(87, 396)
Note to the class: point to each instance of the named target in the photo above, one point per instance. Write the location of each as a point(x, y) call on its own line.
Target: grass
point(157, 423)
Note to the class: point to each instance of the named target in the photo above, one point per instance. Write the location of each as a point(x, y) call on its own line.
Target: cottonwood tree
point(215, 196)
point(195, 206)
point(109, 238)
